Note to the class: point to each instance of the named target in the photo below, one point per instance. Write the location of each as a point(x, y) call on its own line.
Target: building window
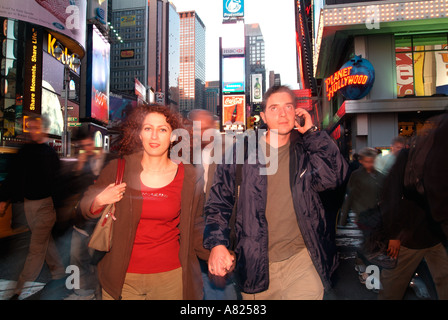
point(422, 64)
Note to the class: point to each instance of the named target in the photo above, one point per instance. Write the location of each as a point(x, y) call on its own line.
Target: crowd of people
point(224, 231)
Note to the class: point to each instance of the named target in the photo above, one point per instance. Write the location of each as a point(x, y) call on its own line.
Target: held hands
point(221, 261)
point(111, 194)
point(308, 121)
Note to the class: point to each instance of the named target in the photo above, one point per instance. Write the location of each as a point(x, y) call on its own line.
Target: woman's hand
point(221, 261)
point(111, 194)
point(394, 248)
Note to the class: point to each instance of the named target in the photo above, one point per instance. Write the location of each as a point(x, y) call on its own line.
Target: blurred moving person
point(384, 163)
point(283, 243)
point(435, 174)
point(84, 173)
point(34, 175)
point(159, 225)
point(413, 236)
point(215, 288)
point(363, 198)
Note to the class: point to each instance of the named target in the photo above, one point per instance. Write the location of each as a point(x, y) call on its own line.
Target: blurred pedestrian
point(159, 225)
point(34, 175)
point(363, 198)
point(435, 174)
point(215, 288)
point(86, 170)
point(283, 244)
point(384, 163)
point(412, 235)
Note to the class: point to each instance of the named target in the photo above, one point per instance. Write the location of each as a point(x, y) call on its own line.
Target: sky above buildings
point(276, 19)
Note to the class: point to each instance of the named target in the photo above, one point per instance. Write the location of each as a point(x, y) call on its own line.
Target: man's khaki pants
point(41, 217)
point(155, 286)
point(292, 279)
point(395, 281)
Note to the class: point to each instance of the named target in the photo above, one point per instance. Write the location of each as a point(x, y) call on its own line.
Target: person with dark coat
point(283, 245)
point(413, 235)
point(435, 174)
point(34, 176)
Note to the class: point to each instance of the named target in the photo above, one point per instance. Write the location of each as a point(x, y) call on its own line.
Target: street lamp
point(76, 63)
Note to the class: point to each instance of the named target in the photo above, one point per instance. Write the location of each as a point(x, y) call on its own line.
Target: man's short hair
point(43, 120)
point(399, 139)
point(277, 89)
point(368, 153)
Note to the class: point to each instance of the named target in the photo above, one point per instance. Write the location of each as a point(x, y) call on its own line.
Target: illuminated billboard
point(63, 16)
point(233, 75)
point(233, 110)
point(98, 72)
point(233, 9)
point(256, 88)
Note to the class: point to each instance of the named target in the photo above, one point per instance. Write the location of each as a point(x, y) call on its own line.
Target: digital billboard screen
point(233, 75)
point(100, 66)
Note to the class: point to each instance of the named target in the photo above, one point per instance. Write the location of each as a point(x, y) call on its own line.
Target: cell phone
point(300, 120)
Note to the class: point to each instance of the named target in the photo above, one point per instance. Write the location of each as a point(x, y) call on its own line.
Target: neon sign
point(341, 79)
point(65, 58)
point(354, 79)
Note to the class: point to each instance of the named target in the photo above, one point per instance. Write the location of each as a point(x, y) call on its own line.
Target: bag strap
point(120, 171)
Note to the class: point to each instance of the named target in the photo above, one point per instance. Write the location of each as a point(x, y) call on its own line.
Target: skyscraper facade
point(212, 96)
point(192, 62)
point(255, 53)
point(149, 51)
point(128, 58)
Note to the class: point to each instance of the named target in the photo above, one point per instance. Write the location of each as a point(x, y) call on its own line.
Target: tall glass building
point(128, 58)
point(150, 51)
point(192, 62)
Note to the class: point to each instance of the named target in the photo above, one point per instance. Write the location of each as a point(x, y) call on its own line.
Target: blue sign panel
point(233, 8)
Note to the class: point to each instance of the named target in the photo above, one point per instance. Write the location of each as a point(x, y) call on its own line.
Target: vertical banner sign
point(257, 88)
point(32, 96)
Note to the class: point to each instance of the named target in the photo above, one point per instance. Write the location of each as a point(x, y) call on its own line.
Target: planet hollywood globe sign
point(354, 80)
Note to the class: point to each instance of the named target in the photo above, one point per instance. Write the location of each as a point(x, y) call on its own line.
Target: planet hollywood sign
point(354, 79)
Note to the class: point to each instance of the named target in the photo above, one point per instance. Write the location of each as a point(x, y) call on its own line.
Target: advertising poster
point(257, 88)
point(97, 9)
point(64, 16)
point(405, 73)
point(442, 71)
point(233, 9)
point(119, 108)
point(100, 77)
point(233, 75)
point(234, 109)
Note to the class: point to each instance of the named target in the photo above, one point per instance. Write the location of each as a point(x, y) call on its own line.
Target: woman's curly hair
point(132, 127)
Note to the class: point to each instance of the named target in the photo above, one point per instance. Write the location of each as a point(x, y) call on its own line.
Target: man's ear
point(263, 116)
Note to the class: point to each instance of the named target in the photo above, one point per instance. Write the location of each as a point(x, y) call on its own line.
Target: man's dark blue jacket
point(315, 165)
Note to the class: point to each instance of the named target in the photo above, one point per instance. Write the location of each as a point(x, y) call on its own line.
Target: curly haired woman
point(159, 226)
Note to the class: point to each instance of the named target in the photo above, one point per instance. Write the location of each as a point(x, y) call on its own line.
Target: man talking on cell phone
point(284, 246)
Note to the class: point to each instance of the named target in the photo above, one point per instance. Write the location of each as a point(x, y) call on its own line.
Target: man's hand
point(3, 207)
point(221, 261)
point(394, 248)
point(308, 121)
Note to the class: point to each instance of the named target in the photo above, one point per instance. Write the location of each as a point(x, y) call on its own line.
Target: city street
point(13, 252)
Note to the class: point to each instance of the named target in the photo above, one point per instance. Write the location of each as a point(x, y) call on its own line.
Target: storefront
point(32, 76)
point(406, 42)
